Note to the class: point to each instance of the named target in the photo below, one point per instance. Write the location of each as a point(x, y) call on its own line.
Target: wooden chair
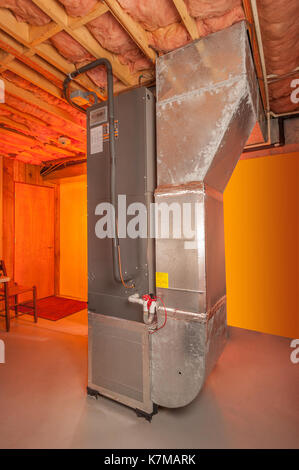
point(12, 290)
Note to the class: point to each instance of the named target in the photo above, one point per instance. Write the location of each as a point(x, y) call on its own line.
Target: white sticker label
point(96, 140)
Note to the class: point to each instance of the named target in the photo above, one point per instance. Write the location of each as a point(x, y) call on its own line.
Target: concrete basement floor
point(251, 400)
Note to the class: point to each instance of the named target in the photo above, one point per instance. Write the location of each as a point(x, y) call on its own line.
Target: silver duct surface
point(207, 105)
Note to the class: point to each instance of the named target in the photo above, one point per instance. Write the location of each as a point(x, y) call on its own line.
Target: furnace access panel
point(135, 179)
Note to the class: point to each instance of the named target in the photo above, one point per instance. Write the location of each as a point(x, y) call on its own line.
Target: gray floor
point(251, 400)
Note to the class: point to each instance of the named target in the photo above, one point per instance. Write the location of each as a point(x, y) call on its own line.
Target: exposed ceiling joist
point(135, 30)
point(40, 124)
point(27, 53)
point(22, 143)
point(98, 10)
point(12, 124)
point(28, 57)
point(81, 34)
point(18, 30)
point(39, 34)
point(31, 98)
point(32, 76)
point(189, 22)
point(25, 116)
point(5, 59)
point(48, 53)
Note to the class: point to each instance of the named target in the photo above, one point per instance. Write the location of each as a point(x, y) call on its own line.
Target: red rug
point(55, 308)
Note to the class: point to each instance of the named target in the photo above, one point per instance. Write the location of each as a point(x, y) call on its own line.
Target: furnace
point(157, 306)
point(119, 363)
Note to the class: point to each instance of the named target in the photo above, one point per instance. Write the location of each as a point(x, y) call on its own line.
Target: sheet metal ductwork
point(207, 105)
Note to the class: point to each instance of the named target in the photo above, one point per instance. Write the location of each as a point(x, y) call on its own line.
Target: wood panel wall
point(14, 171)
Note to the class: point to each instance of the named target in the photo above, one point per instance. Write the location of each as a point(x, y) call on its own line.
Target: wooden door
point(34, 237)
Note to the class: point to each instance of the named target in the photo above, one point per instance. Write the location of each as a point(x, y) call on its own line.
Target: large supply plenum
point(207, 105)
point(118, 338)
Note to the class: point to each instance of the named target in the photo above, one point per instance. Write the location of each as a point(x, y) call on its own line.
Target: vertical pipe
point(113, 192)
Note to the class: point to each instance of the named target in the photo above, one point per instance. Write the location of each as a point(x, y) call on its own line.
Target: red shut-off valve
point(149, 299)
point(149, 303)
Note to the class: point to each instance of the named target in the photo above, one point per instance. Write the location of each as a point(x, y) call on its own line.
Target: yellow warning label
point(162, 280)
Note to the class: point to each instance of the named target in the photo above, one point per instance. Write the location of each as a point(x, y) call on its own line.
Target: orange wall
point(261, 205)
point(73, 240)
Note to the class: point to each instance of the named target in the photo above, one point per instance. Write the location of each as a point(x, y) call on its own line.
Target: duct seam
point(214, 88)
point(228, 113)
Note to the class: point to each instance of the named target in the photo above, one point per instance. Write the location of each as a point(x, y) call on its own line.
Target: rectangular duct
point(207, 105)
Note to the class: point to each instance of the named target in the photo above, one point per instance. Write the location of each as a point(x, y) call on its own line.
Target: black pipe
point(282, 137)
point(113, 193)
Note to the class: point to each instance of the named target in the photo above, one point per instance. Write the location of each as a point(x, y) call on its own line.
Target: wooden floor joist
point(135, 30)
point(32, 120)
point(29, 57)
point(97, 11)
point(49, 54)
point(13, 124)
point(32, 76)
point(49, 62)
point(81, 34)
point(22, 142)
point(27, 53)
point(32, 99)
point(189, 22)
point(39, 34)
